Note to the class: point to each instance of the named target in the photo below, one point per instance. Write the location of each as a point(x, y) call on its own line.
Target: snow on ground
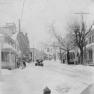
point(60, 78)
point(89, 90)
point(29, 81)
point(85, 72)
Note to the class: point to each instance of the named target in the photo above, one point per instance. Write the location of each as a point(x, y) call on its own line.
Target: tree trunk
point(68, 57)
point(60, 55)
point(81, 56)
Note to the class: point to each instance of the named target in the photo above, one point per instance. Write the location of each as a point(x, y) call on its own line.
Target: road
point(61, 79)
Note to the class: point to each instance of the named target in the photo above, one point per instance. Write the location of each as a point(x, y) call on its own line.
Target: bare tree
point(64, 44)
point(79, 33)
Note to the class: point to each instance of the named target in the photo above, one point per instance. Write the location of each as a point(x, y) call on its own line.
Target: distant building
point(52, 52)
point(37, 54)
point(8, 48)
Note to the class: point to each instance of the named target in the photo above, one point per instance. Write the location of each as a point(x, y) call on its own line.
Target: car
point(39, 62)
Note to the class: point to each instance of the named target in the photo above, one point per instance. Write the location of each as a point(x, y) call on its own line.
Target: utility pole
point(82, 18)
point(21, 16)
point(22, 11)
point(82, 15)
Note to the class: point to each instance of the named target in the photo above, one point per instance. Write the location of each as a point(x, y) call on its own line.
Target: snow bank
point(82, 73)
point(89, 90)
point(33, 79)
point(6, 72)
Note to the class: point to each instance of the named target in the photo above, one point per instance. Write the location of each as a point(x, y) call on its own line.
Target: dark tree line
point(76, 37)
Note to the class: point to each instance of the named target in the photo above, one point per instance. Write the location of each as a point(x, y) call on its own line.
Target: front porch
point(89, 57)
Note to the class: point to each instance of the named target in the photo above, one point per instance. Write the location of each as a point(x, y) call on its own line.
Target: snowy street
point(60, 78)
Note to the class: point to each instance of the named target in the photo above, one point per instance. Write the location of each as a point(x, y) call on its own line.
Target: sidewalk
point(89, 90)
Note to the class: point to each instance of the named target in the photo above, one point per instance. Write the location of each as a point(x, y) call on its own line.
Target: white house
point(37, 54)
point(52, 52)
point(90, 47)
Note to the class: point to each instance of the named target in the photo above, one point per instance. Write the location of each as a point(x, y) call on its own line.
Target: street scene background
point(46, 47)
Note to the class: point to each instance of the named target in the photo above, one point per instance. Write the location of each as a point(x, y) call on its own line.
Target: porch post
point(1, 46)
point(10, 59)
point(0, 58)
point(93, 55)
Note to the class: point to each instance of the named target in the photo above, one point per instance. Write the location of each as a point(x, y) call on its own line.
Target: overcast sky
point(39, 14)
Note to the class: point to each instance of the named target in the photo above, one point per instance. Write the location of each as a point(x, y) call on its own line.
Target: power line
point(82, 15)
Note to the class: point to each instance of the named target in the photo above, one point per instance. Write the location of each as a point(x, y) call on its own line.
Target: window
point(5, 56)
point(90, 55)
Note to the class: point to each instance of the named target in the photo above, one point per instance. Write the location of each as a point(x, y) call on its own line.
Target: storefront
point(8, 58)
